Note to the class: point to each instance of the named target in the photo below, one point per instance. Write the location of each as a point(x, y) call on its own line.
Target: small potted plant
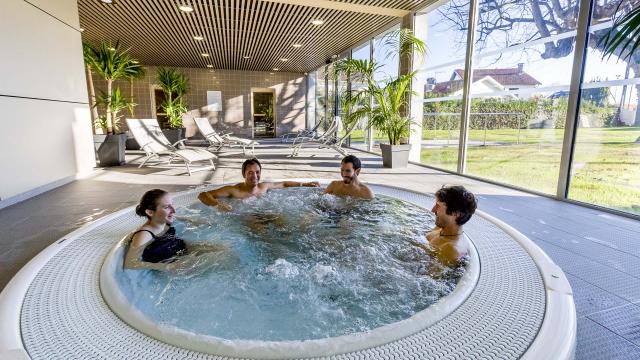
point(383, 104)
point(174, 84)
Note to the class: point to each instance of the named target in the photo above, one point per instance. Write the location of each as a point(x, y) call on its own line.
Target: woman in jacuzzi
point(155, 245)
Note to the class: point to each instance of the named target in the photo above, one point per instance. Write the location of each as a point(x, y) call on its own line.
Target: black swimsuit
point(163, 247)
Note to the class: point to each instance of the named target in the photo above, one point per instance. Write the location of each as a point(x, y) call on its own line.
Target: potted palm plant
point(383, 104)
point(110, 63)
point(174, 84)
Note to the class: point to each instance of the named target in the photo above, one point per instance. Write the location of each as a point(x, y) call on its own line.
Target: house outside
point(486, 81)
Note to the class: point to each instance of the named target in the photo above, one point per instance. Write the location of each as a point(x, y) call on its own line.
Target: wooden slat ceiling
point(158, 33)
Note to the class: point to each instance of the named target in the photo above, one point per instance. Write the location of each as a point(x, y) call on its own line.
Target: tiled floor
point(599, 252)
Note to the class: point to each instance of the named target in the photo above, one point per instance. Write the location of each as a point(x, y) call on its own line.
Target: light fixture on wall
point(317, 22)
point(185, 8)
point(209, 65)
point(198, 37)
point(276, 69)
point(271, 73)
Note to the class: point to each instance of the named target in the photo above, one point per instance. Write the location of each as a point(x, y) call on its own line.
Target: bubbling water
point(295, 264)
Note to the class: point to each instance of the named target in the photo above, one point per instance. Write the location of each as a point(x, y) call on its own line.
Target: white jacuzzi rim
point(213, 345)
point(554, 336)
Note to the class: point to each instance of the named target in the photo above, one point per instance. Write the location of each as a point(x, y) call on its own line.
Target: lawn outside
point(605, 171)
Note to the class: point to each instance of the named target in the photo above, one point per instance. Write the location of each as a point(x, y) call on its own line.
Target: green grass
point(606, 165)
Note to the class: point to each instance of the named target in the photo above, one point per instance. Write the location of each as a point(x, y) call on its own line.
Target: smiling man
point(454, 206)
point(251, 171)
point(350, 185)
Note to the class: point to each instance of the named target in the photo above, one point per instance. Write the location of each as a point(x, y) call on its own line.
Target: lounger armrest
point(178, 142)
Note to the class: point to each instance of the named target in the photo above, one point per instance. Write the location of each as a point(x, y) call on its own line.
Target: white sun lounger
point(151, 139)
point(324, 138)
point(217, 141)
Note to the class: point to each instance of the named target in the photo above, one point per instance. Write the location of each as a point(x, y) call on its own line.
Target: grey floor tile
point(590, 299)
point(596, 342)
point(623, 320)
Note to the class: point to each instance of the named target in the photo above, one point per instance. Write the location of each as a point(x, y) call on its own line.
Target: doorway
point(263, 113)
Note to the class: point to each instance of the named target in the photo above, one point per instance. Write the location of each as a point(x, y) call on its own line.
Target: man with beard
point(350, 185)
point(251, 171)
point(453, 208)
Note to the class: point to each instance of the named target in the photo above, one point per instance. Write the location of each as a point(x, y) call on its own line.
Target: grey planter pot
point(110, 149)
point(131, 143)
point(174, 135)
point(395, 156)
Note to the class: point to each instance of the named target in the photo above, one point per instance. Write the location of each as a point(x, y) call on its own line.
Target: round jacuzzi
point(75, 300)
point(301, 274)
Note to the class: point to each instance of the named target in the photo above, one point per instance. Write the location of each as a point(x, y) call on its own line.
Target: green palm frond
point(623, 38)
point(173, 82)
point(110, 61)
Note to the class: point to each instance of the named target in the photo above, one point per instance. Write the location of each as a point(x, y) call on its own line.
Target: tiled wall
point(290, 90)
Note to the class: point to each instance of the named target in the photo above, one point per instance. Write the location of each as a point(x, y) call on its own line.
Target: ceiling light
point(317, 22)
point(284, 59)
point(297, 45)
point(107, 1)
point(198, 37)
point(275, 69)
point(185, 8)
point(112, 49)
point(81, 29)
point(135, 62)
point(205, 54)
point(209, 65)
point(246, 57)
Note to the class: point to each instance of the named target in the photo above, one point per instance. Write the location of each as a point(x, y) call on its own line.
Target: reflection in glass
point(523, 61)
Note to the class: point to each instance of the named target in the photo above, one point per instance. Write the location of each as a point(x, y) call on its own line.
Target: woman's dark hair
point(149, 201)
point(458, 199)
point(249, 162)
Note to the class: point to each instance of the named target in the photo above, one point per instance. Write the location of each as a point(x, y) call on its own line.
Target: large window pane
point(446, 48)
point(523, 61)
point(359, 138)
point(387, 55)
point(606, 162)
point(321, 105)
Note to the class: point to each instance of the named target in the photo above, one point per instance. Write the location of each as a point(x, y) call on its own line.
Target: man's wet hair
point(250, 162)
point(458, 199)
point(353, 160)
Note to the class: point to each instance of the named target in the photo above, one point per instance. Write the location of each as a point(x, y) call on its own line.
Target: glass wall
point(606, 159)
point(522, 71)
point(386, 54)
point(443, 65)
point(360, 138)
point(321, 98)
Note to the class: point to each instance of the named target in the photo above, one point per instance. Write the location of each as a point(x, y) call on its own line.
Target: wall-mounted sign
point(214, 100)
